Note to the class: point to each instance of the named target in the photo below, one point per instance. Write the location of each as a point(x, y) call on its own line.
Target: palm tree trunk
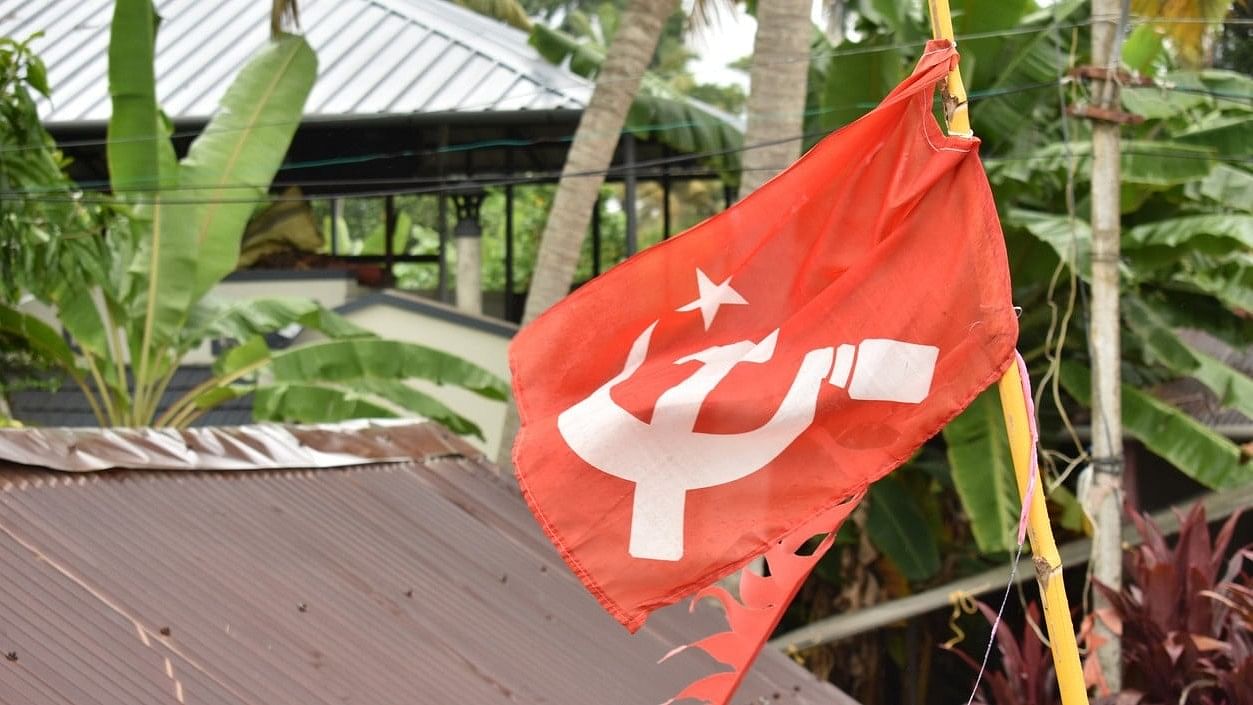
point(589, 157)
point(592, 151)
point(776, 101)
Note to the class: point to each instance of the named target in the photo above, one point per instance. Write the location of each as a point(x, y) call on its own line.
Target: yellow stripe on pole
point(1017, 424)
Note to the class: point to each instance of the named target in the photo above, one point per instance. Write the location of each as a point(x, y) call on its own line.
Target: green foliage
point(982, 471)
point(51, 235)
point(1187, 239)
point(662, 110)
point(1189, 445)
point(896, 527)
point(53, 225)
point(335, 379)
point(1187, 200)
point(134, 293)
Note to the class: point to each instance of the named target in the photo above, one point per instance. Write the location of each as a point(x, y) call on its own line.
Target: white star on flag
point(711, 297)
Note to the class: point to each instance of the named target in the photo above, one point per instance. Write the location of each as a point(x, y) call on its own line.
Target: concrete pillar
point(468, 234)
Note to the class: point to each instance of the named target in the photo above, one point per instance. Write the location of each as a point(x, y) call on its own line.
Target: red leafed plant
point(1185, 616)
point(1026, 673)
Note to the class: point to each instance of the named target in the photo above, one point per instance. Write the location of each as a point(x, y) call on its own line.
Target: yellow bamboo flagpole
point(1017, 424)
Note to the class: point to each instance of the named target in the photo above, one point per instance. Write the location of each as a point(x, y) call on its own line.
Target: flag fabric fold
point(734, 390)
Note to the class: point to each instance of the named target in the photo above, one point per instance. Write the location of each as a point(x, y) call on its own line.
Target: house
point(363, 563)
point(414, 98)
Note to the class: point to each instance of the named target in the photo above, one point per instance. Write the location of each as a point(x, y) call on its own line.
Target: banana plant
point(140, 299)
point(1187, 240)
point(1187, 262)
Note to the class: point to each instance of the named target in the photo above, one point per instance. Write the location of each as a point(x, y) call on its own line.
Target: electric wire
point(416, 186)
point(833, 52)
point(101, 185)
point(432, 185)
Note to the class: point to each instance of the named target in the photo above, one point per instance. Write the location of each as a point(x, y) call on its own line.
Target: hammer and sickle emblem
point(666, 458)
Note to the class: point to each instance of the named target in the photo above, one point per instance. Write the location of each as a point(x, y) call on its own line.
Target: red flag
point(713, 397)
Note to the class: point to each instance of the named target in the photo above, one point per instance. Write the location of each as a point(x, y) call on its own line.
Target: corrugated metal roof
point(374, 57)
point(417, 582)
point(1198, 400)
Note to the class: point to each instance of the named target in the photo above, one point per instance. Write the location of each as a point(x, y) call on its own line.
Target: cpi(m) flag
point(735, 389)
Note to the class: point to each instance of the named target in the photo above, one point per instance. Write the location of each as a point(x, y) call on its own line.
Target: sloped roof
point(1198, 400)
point(374, 57)
point(420, 581)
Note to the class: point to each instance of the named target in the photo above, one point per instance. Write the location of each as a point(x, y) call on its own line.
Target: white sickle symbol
point(666, 458)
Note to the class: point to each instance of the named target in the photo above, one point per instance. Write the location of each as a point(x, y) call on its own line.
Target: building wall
point(486, 348)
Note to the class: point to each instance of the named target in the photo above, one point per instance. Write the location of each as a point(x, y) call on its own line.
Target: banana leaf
point(314, 403)
point(342, 361)
point(1230, 283)
point(1146, 162)
point(1231, 136)
point(983, 58)
point(252, 353)
point(1228, 186)
point(978, 452)
point(234, 160)
point(857, 77)
point(343, 379)
point(1142, 48)
point(240, 320)
point(898, 529)
point(1174, 232)
point(1156, 103)
point(139, 153)
point(1186, 309)
point(421, 403)
point(141, 164)
point(223, 394)
point(1070, 239)
point(1231, 84)
point(323, 403)
point(79, 316)
point(1004, 121)
point(1193, 448)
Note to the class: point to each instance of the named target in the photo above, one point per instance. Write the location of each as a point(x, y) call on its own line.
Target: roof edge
point(231, 448)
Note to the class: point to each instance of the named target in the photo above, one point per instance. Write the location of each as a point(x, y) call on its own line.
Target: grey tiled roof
point(66, 406)
point(374, 57)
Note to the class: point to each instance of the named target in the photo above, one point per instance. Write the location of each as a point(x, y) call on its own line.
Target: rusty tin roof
point(416, 581)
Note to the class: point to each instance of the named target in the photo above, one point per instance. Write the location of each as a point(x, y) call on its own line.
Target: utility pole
point(1104, 500)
